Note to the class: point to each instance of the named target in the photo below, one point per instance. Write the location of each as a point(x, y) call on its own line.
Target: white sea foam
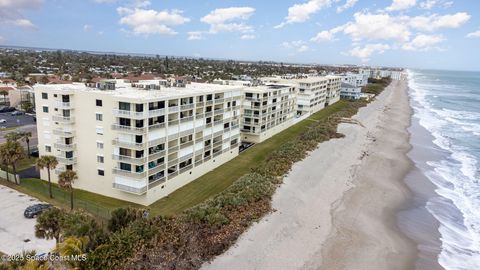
point(456, 176)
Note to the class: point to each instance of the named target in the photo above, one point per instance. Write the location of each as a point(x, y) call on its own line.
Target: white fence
point(10, 176)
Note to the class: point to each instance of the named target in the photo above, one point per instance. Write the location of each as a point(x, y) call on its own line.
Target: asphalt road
point(17, 233)
point(16, 121)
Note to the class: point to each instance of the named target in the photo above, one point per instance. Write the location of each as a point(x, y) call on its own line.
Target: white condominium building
point(137, 142)
point(334, 87)
point(351, 92)
point(267, 110)
point(312, 94)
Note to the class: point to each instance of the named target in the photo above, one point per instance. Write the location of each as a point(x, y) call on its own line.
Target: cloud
point(376, 26)
point(435, 22)
point(348, 4)
point(11, 12)
point(105, 1)
point(149, 21)
point(430, 4)
point(423, 42)
point(247, 37)
point(398, 5)
point(87, 27)
point(299, 13)
point(475, 34)
point(298, 45)
point(229, 20)
point(365, 52)
point(24, 23)
point(195, 35)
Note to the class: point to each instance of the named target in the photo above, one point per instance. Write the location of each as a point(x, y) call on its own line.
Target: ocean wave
point(455, 176)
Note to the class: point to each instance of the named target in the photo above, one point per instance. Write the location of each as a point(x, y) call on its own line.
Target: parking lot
point(15, 121)
point(17, 233)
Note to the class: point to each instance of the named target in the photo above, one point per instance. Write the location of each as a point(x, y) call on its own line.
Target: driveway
point(17, 233)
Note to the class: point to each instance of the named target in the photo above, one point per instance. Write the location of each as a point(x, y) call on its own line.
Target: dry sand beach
point(337, 208)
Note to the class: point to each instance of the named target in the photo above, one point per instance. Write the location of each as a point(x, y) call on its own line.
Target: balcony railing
point(63, 133)
point(64, 105)
point(129, 189)
point(156, 126)
point(67, 161)
point(66, 147)
point(156, 112)
point(187, 106)
point(186, 119)
point(132, 174)
point(134, 145)
point(122, 128)
point(173, 109)
point(131, 114)
point(134, 160)
point(63, 119)
point(157, 155)
point(157, 169)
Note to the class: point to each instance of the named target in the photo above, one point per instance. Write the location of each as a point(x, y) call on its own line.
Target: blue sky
point(442, 34)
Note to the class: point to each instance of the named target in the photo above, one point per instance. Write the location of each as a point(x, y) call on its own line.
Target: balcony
point(157, 155)
point(187, 106)
point(130, 189)
point(129, 129)
point(157, 112)
point(186, 119)
point(132, 145)
point(133, 160)
point(173, 109)
point(63, 133)
point(64, 105)
point(66, 161)
point(156, 126)
point(218, 111)
point(129, 114)
point(65, 147)
point(63, 119)
point(131, 174)
point(209, 102)
point(157, 169)
point(219, 100)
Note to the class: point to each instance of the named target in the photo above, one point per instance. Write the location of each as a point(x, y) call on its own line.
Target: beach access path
point(336, 208)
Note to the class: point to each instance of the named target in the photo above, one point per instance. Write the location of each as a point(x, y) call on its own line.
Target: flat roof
point(125, 90)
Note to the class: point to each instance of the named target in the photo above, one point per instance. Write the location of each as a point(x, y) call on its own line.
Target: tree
point(121, 217)
point(26, 137)
point(5, 160)
point(65, 181)
point(13, 152)
point(27, 106)
point(73, 246)
point(44, 80)
point(13, 136)
point(49, 163)
point(79, 224)
point(49, 224)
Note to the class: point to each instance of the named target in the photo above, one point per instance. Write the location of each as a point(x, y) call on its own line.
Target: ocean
point(445, 135)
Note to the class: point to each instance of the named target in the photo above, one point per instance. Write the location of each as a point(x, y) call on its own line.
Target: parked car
point(3, 121)
point(16, 113)
point(34, 210)
point(35, 153)
point(6, 109)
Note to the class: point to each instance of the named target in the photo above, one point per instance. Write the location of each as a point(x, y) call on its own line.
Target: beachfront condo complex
point(137, 142)
point(267, 110)
point(140, 140)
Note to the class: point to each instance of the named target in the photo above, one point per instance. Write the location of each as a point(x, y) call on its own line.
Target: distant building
point(351, 92)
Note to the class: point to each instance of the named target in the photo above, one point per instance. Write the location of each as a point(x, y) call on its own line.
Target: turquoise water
point(447, 105)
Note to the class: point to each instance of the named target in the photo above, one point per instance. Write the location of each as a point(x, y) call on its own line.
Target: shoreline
point(313, 214)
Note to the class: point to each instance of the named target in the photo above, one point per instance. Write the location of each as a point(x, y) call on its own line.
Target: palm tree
point(13, 136)
point(26, 136)
point(14, 152)
point(49, 163)
point(5, 159)
point(65, 181)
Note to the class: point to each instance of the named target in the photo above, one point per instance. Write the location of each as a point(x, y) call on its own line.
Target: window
point(44, 96)
point(48, 148)
point(98, 102)
point(99, 116)
point(124, 106)
point(100, 159)
point(125, 167)
point(101, 172)
point(99, 145)
point(45, 109)
point(99, 130)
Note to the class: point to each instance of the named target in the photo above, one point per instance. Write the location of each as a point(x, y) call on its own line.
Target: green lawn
point(26, 163)
point(222, 177)
point(98, 205)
